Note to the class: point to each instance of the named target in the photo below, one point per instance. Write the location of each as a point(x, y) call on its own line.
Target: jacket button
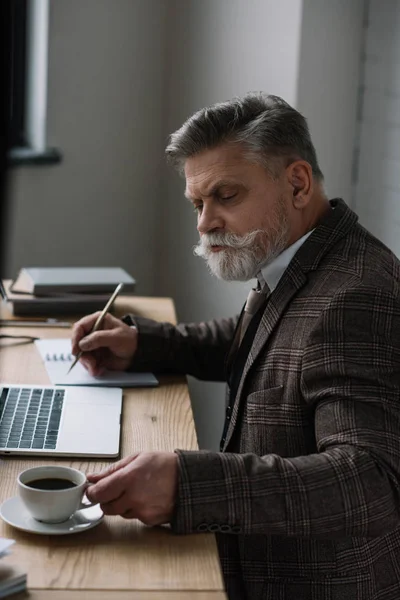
point(225, 528)
point(202, 527)
point(236, 529)
point(214, 527)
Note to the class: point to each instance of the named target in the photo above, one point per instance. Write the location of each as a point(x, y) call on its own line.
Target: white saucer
point(13, 512)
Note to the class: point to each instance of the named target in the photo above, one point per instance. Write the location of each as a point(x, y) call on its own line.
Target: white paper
point(5, 545)
point(57, 358)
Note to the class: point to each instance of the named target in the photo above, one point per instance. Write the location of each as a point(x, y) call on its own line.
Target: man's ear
point(300, 179)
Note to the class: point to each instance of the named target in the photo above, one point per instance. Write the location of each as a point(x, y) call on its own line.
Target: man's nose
point(209, 219)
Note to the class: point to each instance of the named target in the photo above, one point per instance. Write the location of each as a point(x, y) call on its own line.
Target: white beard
point(242, 256)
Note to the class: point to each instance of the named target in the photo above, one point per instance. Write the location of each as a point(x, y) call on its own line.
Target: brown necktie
point(254, 301)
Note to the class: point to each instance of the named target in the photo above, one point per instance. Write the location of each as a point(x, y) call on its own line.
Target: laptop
point(60, 421)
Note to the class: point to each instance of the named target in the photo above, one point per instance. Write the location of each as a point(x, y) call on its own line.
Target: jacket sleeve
point(350, 486)
point(197, 349)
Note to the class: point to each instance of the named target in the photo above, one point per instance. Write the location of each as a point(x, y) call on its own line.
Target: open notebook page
point(57, 358)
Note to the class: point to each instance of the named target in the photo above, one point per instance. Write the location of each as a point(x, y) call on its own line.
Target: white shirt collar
point(273, 271)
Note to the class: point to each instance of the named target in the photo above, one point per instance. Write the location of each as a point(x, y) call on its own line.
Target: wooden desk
point(120, 559)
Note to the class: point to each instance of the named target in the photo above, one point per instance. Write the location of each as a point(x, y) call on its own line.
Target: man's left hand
point(142, 486)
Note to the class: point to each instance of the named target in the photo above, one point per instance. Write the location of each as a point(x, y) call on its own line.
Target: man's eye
point(230, 197)
point(197, 209)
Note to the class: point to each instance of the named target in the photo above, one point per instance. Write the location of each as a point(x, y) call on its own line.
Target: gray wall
point(329, 75)
point(219, 49)
point(378, 186)
point(309, 53)
point(107, 115)
point(125, 73)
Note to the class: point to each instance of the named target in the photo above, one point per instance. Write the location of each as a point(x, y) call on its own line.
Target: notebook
point(5, 545)
point(22, 304)
point(42, 281)
point(12, 579)
point(57, 358)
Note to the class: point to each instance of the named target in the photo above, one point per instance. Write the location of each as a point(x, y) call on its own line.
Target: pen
point(100, 319)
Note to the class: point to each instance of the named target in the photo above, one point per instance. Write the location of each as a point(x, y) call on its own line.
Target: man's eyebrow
point(214, 189)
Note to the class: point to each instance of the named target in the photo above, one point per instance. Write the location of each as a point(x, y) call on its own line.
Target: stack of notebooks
point(64, 290)
point(12, 580)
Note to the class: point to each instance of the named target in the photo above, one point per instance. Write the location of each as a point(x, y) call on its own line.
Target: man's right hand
point(112, 347)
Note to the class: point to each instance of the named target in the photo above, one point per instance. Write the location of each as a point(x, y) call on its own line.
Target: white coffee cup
point(52, 505)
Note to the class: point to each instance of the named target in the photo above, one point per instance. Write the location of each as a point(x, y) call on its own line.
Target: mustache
point(232, 240)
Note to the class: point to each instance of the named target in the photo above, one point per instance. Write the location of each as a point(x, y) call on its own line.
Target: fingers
point(90, 363)
point(84, 326)
point(95, 362)
point(80, 329)
point(120, 506)
point(129, 514)
point(95, 477)
point(111, 347)
point(106, 490)
point(142, 486)
point(99, 339)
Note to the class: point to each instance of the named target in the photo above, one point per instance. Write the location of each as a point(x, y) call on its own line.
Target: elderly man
point(305, 493)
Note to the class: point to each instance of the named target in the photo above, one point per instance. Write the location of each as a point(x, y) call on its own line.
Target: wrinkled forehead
point(222, 156)
point(222, 165)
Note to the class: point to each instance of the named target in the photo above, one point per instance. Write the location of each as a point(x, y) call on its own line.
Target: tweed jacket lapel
point(332, 228)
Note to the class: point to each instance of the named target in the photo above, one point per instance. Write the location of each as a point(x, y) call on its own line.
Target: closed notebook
point(24, 304)
point(45, 281)
point(12, 580)
point(57, 358)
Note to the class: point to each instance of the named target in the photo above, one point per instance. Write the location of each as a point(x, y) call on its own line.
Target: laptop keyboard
point(30, 417)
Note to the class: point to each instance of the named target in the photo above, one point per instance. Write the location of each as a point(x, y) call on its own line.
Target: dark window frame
point(20, 152)
point(17, 96)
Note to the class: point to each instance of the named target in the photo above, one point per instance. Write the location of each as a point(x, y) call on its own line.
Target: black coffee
point(51, 483)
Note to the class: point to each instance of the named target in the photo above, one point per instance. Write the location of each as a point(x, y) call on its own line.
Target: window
point(28, 83)
point(17, 67)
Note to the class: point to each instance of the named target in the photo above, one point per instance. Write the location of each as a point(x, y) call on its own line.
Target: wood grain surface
point(116, 595)
point(119, 556)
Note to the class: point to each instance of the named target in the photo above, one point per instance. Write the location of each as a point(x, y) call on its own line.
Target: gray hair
point(267, 126)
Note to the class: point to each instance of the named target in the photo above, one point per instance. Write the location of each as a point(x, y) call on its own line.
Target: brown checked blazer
point(305, 497)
